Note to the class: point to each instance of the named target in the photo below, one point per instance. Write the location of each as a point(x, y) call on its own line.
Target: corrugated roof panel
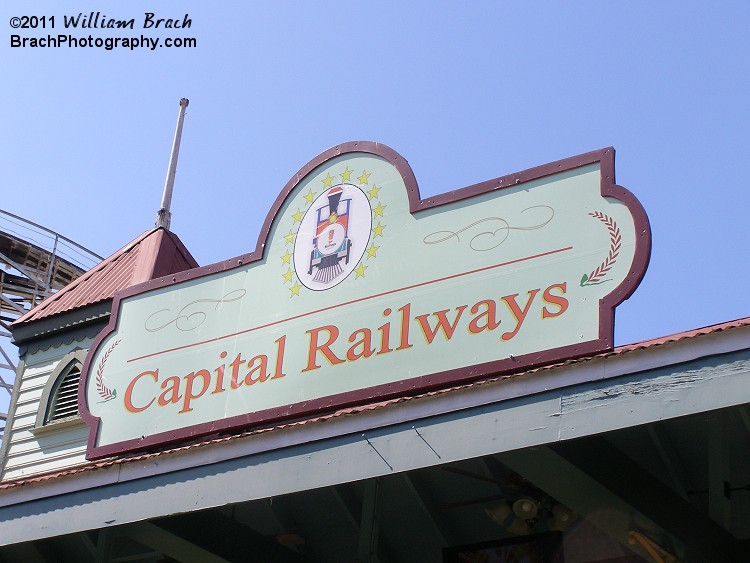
point(153, 251)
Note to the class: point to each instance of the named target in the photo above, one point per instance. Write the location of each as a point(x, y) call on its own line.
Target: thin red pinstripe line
point(352, 302)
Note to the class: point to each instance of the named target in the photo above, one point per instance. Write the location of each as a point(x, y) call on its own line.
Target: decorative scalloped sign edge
point(315, 260)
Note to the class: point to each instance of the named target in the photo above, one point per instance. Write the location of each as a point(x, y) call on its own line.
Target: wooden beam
point(427, 504)
point(597, 481)
point(104, 545)
point(225, 538)
point(354, 511)
point(369, 527)
point(745, 418)
point(74, 548)
point(169, 544)
point(26, 552)
point(650, 497)
point(349, 504)
point(670, 458)
point(719, 495)
point(26, 272)
point(284, 516)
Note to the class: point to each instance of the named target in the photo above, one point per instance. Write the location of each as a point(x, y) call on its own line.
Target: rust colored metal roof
point(620, 350)
point(153, 254)
point(711, 329)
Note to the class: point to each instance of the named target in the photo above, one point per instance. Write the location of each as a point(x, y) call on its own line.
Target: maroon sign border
point(604, 342)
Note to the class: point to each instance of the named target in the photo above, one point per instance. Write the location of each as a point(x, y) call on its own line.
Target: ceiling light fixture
point(525, 508)
point(499, 514)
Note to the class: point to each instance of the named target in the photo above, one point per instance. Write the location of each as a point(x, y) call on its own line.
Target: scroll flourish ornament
point(190, 320)
point(488, 240)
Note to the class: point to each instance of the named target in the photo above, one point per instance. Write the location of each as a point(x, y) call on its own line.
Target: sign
point(358, 290)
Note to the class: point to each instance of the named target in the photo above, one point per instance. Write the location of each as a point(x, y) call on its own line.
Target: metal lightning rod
point(164, 216)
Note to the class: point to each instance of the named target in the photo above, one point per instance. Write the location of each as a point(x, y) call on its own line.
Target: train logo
point(332, 237)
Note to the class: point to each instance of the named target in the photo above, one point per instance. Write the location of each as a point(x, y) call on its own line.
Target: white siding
point(56, 447)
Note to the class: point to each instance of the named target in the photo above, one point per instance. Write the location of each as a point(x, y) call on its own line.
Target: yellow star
point(346, 174)
point(295, 289)
point(379, 210)
point(297, 216)
point(286, 259)
point(373, 193)
point(288, 275)
point(327, 181)
point(289, 238)
point(309, 196)
point(372, 251)
point(378, 231)
point(360, 271)
point(363, 178)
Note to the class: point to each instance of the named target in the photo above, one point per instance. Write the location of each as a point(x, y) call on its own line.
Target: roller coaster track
point(35, 262)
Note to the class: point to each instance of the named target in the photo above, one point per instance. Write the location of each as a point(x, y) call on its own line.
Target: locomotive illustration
point(331, 243)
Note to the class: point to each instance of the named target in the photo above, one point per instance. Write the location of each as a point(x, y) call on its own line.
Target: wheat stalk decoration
point(105, 392)
point(615, 241)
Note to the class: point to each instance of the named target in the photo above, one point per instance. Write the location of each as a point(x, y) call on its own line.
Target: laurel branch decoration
point(615, 241)
point(105, 392)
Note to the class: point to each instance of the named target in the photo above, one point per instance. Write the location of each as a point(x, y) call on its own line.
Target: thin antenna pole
point(164, 216)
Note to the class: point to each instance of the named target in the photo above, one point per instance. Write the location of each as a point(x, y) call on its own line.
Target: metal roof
point(155, 253)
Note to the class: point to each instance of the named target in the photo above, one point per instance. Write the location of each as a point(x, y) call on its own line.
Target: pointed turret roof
point(153, 254)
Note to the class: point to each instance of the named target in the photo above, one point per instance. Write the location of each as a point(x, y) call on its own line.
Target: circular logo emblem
point(332, 237)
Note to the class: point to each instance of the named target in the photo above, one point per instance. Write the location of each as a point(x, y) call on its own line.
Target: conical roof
point(153, 254)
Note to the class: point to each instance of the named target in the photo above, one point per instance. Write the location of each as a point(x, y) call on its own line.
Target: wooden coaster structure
point(35, 262)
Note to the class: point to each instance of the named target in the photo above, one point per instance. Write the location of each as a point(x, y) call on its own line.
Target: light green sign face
point(355, 297)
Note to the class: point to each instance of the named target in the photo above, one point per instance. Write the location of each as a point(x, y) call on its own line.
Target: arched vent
point(64, 403)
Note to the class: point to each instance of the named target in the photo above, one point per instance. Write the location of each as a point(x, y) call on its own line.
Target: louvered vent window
point(65, 401)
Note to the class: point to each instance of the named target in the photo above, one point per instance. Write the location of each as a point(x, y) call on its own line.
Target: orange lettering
point(558, 300)
point(520, 315)
point(128, 399)
point(490, 316)
point(365, 342)
point(236, 363)
point(280, 345)
point(220, 376)
point(405, 314)
point(442, 324)
point(171, 394)
point(261, 368)
point(333, 334)
point(189, 379)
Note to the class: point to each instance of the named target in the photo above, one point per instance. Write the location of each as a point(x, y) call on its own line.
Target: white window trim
point(62, 369)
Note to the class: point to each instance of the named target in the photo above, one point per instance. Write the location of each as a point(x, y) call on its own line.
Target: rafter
point(427, 507)
point(599, 482)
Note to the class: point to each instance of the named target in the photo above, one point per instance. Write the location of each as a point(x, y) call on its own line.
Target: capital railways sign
point(359, 291)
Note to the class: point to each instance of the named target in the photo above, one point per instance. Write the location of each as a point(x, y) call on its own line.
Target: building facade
point(634, 453)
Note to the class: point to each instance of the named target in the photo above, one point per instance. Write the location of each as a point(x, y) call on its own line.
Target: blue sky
point(464, 92)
